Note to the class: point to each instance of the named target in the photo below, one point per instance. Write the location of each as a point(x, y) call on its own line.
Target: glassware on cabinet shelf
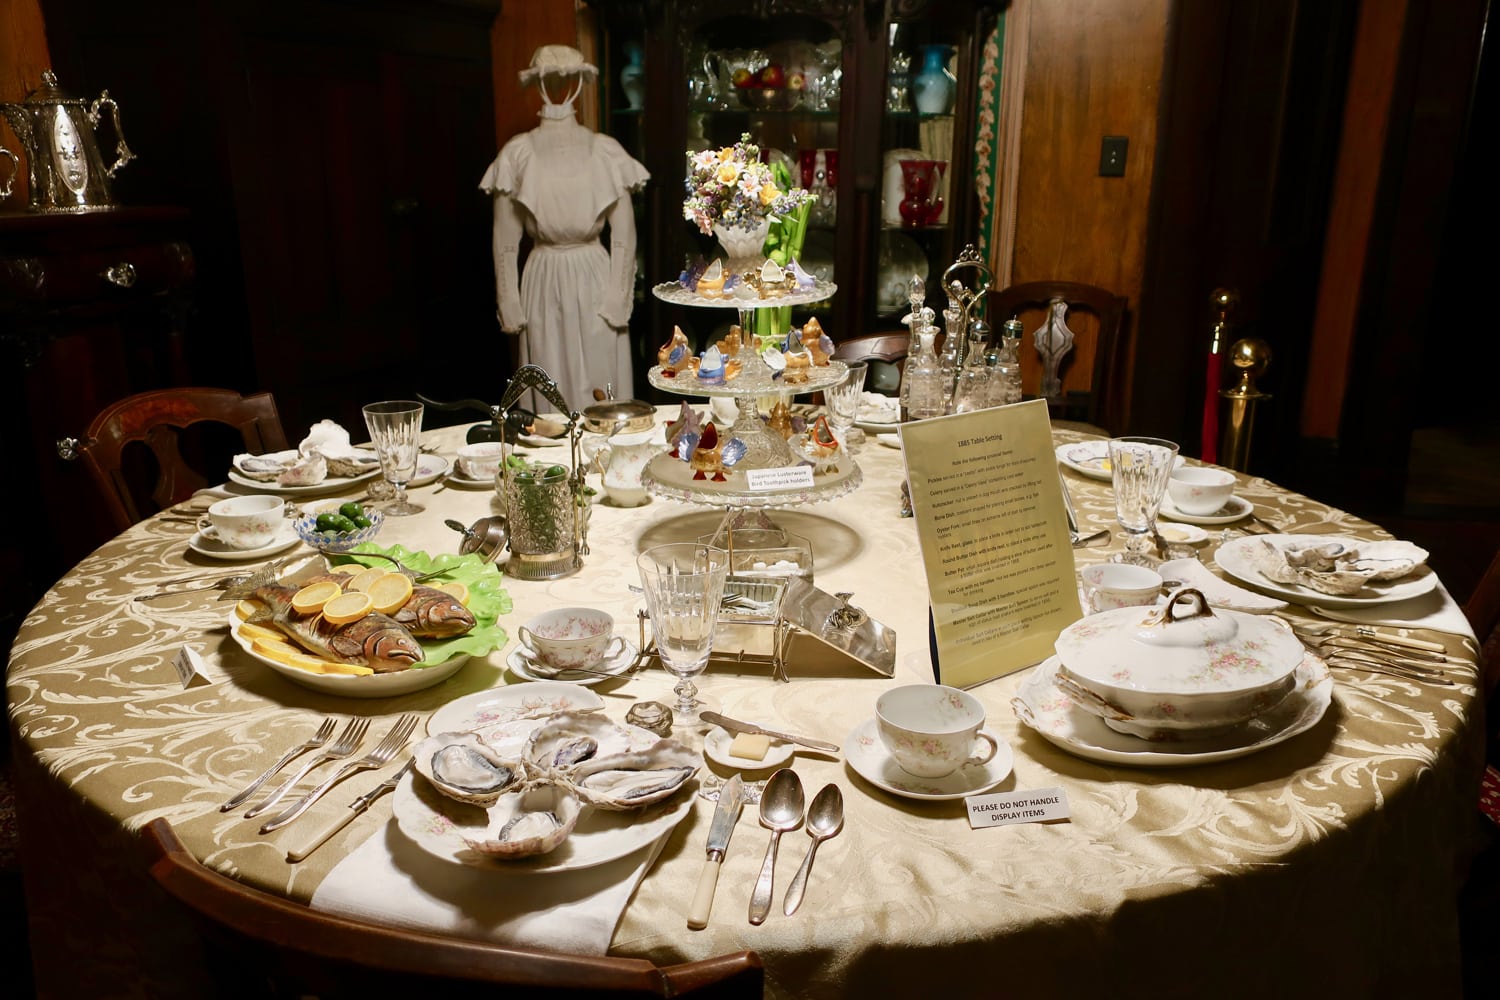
point(934, 87)
point(825, 75)
point(923, 203)
point(898, 82)
point(633, 76)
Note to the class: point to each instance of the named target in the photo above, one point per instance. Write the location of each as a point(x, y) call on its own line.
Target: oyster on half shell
point(527, 823)
point(570, 738)
point(634, 779)
point(466, 768)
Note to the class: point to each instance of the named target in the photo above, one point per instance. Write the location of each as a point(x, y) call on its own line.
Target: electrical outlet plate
point(1112, 156)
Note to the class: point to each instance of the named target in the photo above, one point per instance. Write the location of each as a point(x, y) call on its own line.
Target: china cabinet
point(870, 105)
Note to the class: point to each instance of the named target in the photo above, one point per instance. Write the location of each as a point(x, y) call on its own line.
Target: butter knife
point(726, 814)
point(356, 807)
point(735, 726)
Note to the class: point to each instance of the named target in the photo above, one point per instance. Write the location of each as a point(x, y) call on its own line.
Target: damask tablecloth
point(1327, 864)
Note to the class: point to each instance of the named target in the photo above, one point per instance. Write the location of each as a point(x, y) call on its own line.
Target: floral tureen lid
point(1179, 649)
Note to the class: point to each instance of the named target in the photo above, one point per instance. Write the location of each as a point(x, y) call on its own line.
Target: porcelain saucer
point(868, 756)
point(215, 549)
point(1234, 508)
point(457, 478)
point(429, 468)
point(1182, 533)
point(520, 663)
point(716, 748)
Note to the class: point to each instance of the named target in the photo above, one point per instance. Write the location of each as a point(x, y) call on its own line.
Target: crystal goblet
point(1140, 468)
point(396, 430)
point(843, 401)
point(684, 585)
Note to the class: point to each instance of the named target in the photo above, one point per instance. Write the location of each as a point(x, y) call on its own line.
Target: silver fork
point(348, 742)
point(379, 757)
point(317, 740)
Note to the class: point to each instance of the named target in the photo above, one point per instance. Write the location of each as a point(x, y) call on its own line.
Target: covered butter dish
point(1178, 671)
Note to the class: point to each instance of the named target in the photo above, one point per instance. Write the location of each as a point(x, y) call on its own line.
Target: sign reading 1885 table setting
point(994, 535)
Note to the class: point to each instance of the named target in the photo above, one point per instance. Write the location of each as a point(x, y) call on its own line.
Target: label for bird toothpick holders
point(788, 477)
point(1035, 805)
point(190, 667)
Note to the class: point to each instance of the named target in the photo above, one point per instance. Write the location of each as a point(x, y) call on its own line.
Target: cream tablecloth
point(1327, 864)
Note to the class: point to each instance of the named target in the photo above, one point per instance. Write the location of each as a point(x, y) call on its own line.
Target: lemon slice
point(312, 597)
point(252, 632)
point(457, 590)
point(365, 580)
point(390, 592)
point(347, 608)
point(275, 649)
point(248, 609)
point(329, 667)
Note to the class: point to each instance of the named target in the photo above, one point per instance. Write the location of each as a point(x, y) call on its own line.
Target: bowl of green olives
point(338, 526)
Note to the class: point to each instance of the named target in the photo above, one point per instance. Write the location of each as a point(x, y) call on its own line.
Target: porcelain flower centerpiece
point(732, 194)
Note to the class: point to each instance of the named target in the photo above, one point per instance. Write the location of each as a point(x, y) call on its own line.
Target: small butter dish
point(716, 746)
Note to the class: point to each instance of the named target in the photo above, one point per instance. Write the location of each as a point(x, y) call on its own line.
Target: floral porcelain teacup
point(932, 730)
point(1110, 586)
point(571, 638)
point(244, 522)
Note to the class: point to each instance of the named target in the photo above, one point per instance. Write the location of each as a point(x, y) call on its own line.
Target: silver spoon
point(780, 811)
point(825, 818)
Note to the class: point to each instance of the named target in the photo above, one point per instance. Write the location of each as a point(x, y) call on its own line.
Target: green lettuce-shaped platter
point(488, 600)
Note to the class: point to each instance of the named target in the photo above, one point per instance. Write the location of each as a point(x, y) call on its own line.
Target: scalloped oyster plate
point(330, 484)
point(1040, 705)
point(438, 824)
point(1234, 557)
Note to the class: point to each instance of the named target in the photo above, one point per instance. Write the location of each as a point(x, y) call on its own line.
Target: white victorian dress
point(560, 184)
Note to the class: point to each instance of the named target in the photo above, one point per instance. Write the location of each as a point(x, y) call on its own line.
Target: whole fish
point(428, 614)
point(376, 641)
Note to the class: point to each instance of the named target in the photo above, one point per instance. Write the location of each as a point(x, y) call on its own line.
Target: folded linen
point(390, 880)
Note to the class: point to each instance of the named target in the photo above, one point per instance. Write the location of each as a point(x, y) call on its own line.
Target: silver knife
point(736, 726)
point(356, 807)
point(726, 814)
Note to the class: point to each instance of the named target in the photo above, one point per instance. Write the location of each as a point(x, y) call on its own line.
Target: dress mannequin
point(560, 184)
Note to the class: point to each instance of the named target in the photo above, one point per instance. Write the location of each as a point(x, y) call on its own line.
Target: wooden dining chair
point(141, 460)
point(1090, 372)
point(265, 945)
point(886, 355)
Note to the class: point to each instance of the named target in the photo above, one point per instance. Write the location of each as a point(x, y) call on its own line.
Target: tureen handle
point(1170, 615)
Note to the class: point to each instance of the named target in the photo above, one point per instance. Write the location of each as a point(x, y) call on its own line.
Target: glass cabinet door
point(873, 118)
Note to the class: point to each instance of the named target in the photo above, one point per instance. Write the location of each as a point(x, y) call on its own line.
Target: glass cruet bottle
point(916, 295)
point(972, 392)
point(926, 399)
point(1006, 386)
point(950, 358)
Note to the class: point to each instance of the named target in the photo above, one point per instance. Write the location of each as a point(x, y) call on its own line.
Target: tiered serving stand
point(752, 389)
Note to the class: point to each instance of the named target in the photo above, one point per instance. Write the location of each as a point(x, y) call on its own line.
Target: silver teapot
point(64, 167)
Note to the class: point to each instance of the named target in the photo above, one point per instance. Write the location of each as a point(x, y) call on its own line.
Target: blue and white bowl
point(336, 541)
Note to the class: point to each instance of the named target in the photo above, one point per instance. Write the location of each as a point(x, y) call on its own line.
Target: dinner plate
point(429, 467)
point(872, 761)
point(438, 824)
point(878, 426)
point(350, 686)
point(1234, 508)
point(1091, 458)
point(200, 543)
point(521, 664)
point(1233, 559)
point(1040, 704)
point(329, 485)
point(485, 712)
point(716, 748)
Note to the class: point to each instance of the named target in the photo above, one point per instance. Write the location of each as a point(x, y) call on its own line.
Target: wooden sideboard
point(93, 307)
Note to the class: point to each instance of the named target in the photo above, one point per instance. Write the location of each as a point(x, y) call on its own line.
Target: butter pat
point(750, 746)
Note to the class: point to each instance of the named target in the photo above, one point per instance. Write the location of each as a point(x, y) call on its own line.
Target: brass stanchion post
point(1251, 357)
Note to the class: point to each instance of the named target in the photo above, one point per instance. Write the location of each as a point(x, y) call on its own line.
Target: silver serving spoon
point(825, 818)
point(780, 811)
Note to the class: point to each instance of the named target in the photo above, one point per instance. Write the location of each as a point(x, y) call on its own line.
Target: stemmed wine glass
point(396, 430)
point(843, 401)
point(684, 584)
point(1140, 468)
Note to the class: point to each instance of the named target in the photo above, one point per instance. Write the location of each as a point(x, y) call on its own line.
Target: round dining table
point(1326, 864)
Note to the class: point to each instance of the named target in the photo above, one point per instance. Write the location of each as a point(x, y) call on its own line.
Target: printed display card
point(1036, 805)
point(994, 535)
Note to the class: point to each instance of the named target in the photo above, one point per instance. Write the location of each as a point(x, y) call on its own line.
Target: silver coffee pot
point(63, 163)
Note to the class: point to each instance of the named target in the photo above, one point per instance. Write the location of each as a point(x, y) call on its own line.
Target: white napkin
point(1436, 610)
point(1217, 592)
point(390, 880)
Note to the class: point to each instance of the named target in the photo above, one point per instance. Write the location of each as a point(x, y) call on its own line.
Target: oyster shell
point(464, 767)
point(570, 738)
point(635, 779)
point(331, 440)
point(1389, 560)
point(307, 470)
point(527, 823)
point(262, 468)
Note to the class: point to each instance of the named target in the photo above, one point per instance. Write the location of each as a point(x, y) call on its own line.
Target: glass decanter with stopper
point(950, 358)
point(926, 399)
point(972, 392)
point(916, 295)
